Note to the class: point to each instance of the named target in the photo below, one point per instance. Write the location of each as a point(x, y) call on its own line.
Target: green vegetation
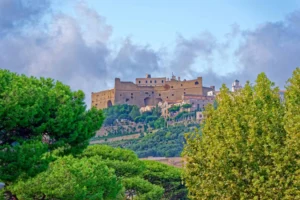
point(38, 116)
point(102, 172)
point(174, 109)
point(131, 113)
point(249, 146)
point(166, 142)
point(45, 130)
point(186, 106)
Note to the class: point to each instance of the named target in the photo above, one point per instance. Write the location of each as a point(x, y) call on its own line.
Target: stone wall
point(142, 95)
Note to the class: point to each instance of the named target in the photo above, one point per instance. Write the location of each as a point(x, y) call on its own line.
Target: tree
point(174, 109)
point(37, 116)
point(71, 178)
point(187, 105)
point(167, 177)
point(135, 112)
point(243, 150)
point(292, 127)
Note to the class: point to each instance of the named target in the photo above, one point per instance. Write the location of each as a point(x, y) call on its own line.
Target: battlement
point(148, 91)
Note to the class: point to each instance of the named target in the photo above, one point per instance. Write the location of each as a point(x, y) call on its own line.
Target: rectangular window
point(139, 81)
point(150, 81)
point(162, 81)
point(146, 81)
point(155, 81)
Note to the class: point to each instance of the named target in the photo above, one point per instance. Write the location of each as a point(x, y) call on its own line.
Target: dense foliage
point(71, 178)
point(102, 172)
point(167, 142)
point(38, 115)
point(131, 113)
point(174, 109)
point(249, 146)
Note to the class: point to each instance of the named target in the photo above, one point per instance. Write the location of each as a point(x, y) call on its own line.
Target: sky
point(87, 43)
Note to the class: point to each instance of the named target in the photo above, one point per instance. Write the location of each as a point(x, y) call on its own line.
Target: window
point(155, 81)
point(127, 100)
point(196, 83)
point(184, 93)
point(132, 97)
point(152, 92)
point(171, 86)
point(167, 97)
point(150, 81)
point(159, 94)
point(131, 93)
point(172, 94)
point(120, 95)
point(146, 92)
point(139, 81)
point(162, 81)
point(181, 85)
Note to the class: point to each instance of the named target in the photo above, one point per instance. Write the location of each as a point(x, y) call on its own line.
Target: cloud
point(272, 48)
point(78, 50)
point(16, 14)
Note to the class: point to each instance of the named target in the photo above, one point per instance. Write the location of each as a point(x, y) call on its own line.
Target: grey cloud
point(188, 50)
point(272, 48)
point(18, 13)
point(132, 61)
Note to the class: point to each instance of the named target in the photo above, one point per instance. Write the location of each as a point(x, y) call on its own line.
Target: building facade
point(148, 91)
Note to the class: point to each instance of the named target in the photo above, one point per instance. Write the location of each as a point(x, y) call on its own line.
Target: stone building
point(236, 86)
point(148, 91)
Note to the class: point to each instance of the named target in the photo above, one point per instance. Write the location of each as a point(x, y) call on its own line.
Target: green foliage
point(135, 112)
point(124, 111)
point(174, 109)
point(156, 111)
point(71, 178)
point(244, 150)
point(159, 123)
point(26, 159)
point(33, 111)
point(292, 127)
point(124, 162)
point(168, 142)
point(167, 177)
point(187, 105)
point(138, 188)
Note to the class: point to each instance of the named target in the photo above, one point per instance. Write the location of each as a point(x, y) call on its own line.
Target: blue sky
point(87, 43)
point(157, 22)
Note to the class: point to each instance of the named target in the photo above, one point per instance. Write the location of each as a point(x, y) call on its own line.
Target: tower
point(236, 86)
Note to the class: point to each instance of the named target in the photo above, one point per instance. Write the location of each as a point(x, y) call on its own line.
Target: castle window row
point(162, 81)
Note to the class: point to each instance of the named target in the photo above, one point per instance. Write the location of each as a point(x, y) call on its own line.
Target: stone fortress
point(150, 91)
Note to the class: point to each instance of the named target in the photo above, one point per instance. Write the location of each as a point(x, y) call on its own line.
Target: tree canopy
point(38, 115)
point(249, 145)
point(102, 172)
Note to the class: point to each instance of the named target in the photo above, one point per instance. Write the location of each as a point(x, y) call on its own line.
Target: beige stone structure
point(148, 91)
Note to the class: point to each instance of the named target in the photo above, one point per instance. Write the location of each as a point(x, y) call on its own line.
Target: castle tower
point(236, 86)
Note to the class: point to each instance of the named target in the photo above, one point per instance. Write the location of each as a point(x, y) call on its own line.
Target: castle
point(149, 91)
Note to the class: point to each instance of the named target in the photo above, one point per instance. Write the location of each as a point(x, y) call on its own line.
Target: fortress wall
point(133, 94)
point(103, 99)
